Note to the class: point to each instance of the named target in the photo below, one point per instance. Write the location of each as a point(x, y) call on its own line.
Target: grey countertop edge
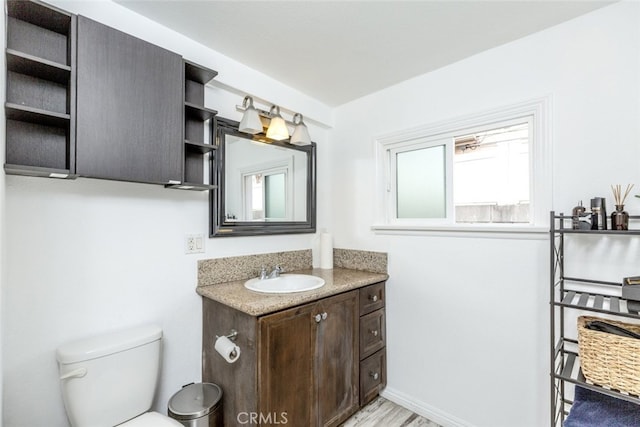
point(337, 280)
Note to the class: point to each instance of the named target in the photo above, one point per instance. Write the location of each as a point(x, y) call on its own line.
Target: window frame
point(539, 111)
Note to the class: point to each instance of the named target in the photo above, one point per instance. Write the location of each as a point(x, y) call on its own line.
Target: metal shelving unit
point(569, 293)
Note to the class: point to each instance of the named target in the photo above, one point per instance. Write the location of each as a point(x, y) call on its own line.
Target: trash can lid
point(195, 400)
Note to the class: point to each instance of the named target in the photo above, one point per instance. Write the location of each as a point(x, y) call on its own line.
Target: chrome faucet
point(274, 273)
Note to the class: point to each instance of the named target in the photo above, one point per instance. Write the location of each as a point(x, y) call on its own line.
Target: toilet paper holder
point(233, 334)
point(226, 346)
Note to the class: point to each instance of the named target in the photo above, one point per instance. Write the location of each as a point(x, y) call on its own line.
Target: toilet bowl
point(110, 380)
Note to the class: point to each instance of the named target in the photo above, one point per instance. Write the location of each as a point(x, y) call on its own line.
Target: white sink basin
point(285, 284)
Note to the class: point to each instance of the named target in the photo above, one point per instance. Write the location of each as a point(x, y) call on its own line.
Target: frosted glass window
point(275, 196)
point(421, 183)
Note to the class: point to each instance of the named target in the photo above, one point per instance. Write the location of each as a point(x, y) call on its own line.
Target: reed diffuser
point(620, 218)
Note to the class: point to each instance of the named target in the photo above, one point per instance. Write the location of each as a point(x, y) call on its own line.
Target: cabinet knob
point(374, 375)
point(317, 318)
point(373, 298)
point(373, 332)
point(324, 316)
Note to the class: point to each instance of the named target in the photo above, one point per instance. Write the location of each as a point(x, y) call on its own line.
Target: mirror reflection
point(264, 182)
point(264, 186)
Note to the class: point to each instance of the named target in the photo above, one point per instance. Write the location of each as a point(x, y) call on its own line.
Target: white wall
point(88, 256)
point(467, 317)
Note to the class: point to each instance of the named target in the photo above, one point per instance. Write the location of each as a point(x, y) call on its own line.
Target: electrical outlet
point(194, 243)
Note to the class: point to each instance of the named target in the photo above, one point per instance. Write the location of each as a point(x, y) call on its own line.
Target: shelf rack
point(566, 294)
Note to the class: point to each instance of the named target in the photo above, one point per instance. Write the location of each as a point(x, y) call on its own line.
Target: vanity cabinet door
point(309, 363)
point(286, 383)
point(129, 107)
point(337, 359)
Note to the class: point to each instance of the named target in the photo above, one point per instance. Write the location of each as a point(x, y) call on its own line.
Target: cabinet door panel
point(337, 363)
point(129, 107)
point(286, 383)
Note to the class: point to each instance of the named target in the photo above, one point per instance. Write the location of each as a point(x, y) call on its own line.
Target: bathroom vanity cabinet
point(313, 364)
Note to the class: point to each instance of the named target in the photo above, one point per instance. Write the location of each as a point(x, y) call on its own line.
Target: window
point(265, 191)
point(265, 195)
point(491, 182)
point(491, 169)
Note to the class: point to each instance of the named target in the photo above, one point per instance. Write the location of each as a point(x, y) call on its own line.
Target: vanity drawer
point(371, 298)
point(372, 333)
point(373, 376)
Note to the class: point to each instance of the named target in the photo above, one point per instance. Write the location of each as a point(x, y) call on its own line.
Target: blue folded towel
point(593, 409)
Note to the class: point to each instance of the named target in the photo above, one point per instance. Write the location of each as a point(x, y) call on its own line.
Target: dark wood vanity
point(312, 364)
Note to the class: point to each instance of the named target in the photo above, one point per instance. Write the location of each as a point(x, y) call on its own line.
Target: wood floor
point(382, 412)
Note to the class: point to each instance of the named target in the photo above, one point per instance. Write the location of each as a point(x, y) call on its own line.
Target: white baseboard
point(421, 408)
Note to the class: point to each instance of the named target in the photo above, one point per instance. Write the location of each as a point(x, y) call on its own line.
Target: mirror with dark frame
point(263, 186)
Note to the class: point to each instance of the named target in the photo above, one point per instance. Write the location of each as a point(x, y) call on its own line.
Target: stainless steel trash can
point(197, 405)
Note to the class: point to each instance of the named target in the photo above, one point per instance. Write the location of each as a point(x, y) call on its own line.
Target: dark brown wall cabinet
point(302, 366)
point(40, 97)
point(129, 116)
point(84, 99)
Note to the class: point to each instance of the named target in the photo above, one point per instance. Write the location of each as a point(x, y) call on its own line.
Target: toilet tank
point(109, 379)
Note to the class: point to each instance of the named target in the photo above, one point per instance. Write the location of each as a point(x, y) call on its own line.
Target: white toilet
point(111, 379)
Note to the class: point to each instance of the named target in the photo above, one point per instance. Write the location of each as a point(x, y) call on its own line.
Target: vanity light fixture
point(277, 128)
point(300, 133)
point(255, 121)
point(250, 122)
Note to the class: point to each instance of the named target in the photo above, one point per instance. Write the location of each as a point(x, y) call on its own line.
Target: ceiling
point(337, 51)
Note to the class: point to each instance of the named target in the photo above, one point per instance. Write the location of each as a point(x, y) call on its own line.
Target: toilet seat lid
point(151, 419)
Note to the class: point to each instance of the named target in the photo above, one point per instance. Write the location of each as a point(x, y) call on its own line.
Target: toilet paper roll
point(227, 349)
point(326, 251)
point(315, 251)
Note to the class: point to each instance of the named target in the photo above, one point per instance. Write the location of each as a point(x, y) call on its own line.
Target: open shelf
point(191, 186)
point(198, 112)
point(37, 171)
point(198, 74)
point(198, 147)
point(198, 129)
point(40, 95)
point(24, 63)
point(24, 113)
point(599, 303)
point(563, 220)
point(568, 369)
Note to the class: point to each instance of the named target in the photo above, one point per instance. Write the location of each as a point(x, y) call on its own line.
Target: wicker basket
point(610, 360)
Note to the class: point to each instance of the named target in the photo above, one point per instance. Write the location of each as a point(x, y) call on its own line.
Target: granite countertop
point(337, 280)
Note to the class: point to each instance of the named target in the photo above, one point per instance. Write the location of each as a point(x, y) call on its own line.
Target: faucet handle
point(263, 273)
